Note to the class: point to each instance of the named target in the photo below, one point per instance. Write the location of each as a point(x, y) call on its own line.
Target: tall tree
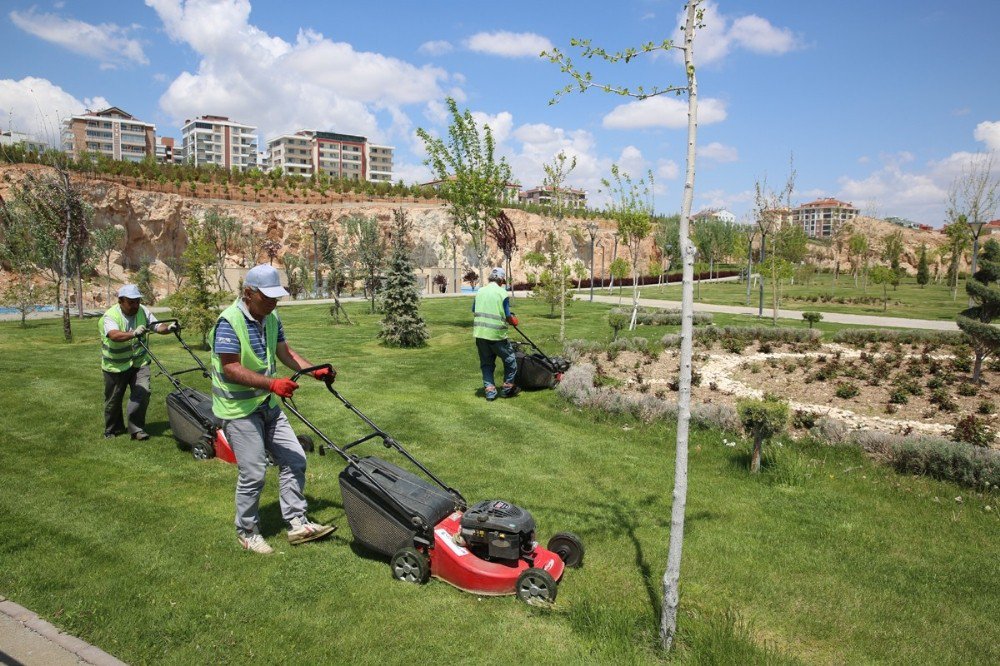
point(402, 325)
point(892, 251)
point(196, 303)
point(584, 81)
point(975, 196)
point(473, 179)
point(958, 244)
point(19, 254)
point(224, 232)
point(977, 321)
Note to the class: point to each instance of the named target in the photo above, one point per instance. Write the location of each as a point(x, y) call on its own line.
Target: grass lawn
point(909, 300)
point(824, 558)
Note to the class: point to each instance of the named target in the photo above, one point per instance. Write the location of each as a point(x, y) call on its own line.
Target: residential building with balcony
point(167, 151)
point(220, 141)
point(26, 141)
point(112, 132)
point(331, 154)
point(545, 195)
point(822, 217)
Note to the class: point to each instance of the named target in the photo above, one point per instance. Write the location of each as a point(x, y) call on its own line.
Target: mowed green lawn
point(826, 558)
point(908, 300)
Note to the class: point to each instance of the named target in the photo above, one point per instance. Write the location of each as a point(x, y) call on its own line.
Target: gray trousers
point(266, 429)
point(136, 380)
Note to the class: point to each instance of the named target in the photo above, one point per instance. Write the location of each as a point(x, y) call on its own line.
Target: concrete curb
point(42, 642)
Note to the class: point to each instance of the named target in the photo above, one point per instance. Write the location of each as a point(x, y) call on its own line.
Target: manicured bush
point(762, 420)
point(812, 317)
point(859, 337)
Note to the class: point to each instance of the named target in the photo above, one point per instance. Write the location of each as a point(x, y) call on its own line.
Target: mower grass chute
point(426, 528)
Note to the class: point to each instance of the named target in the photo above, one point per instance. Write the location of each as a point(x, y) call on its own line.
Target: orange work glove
point(325, 373)
point(283, 387)
point(512, 320)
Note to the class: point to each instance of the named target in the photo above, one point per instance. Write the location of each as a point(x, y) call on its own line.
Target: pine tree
point(923, 270)
point(402, 325)
point(984, 291)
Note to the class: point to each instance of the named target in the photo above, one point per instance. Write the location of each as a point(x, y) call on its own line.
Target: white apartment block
point(820, 218)
point(220, 141)
point(343, 156)
point(720, 214)
point(112, 133)
point(26, 141)
point(544, 195)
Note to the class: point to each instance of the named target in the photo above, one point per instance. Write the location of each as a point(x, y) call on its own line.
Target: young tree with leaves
point(144, 280)
point(977, 321)
point(631, 206)
point(18, 251)
point(762, 420)
point(958, 244)
point(556, 173)
point(402, 325)
point(892, 251)
point(584, 81)
point(195, 304)
point(884, 276)
point(369, 251)
point(553, 287)
point(504, 234)
point(106, 241)
point(472, 179)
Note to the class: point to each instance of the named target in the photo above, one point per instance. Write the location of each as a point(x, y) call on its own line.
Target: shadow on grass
point(272, 523)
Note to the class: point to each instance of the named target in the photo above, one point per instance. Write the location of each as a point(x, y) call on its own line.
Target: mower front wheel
point(306, 442)
point(202, 450)
point(568, 547)
point(536, 587)
point(410, 566)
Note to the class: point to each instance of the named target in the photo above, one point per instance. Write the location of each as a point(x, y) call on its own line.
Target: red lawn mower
point(426, 528)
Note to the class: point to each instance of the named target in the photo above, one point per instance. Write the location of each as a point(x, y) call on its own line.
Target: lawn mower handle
point(544, 355)
point(328, 379)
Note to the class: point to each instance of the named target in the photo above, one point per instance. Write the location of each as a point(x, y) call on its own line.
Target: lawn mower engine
point(495, 530)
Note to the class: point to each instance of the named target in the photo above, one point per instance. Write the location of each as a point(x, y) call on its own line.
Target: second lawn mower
point(426, 528)
point(189, 411)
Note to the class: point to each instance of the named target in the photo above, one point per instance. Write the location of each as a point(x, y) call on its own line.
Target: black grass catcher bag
point(536, 370)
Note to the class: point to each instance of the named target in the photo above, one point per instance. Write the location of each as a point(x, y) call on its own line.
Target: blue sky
point(881, 102)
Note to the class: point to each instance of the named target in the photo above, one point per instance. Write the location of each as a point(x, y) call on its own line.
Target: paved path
point(27, 639)
point(583, 295)
point(830, 317)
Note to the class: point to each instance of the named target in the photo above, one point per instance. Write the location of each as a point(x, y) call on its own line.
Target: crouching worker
point(247, 340)
point(491, 314)
point(125, 362)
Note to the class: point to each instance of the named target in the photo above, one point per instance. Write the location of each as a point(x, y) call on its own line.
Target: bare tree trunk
point(755, 457)
point(671, 577)
point(67, 328)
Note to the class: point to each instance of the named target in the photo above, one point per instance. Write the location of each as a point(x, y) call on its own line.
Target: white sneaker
point(302, 529)
point(255, 544)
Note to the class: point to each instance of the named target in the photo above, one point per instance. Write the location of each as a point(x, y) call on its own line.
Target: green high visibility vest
point(489, 322)
point(120, 356)
point(234, 401)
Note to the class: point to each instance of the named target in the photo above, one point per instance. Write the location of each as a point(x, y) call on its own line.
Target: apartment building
point(167, 151)
point(220, 141)
point(335, 155)
point(545, 195)
point(26, 141)
point(822, 217)
point(112, 132)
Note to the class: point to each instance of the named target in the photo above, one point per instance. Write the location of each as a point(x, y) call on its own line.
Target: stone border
point(82, 650)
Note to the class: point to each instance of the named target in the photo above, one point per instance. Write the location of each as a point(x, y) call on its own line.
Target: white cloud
point(989, 133)
point(718, 152)
point(436, 47)
point(663, 111)
point(38, 107)
point(279, 86)
point(500, 124)
point(667, 170)
point(723, 34)
point(509, 44)
point(108, 43)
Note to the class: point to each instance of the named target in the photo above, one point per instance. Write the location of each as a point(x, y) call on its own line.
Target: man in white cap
point(247, 340)
point(125, 362)
point(491, 314)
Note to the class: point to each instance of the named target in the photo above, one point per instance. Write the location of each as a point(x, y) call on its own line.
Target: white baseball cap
point(498, 274)
point(129, 291)
point(266, 280)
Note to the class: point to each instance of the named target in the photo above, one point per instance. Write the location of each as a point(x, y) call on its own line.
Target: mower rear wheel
point(202, 450)
point(536, 587)
point(568, 547)
point(306, 442)
point(410, 566)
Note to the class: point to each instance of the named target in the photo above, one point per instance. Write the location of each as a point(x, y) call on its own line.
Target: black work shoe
point(511, 391)
point(141, 436)
point(110, 435)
